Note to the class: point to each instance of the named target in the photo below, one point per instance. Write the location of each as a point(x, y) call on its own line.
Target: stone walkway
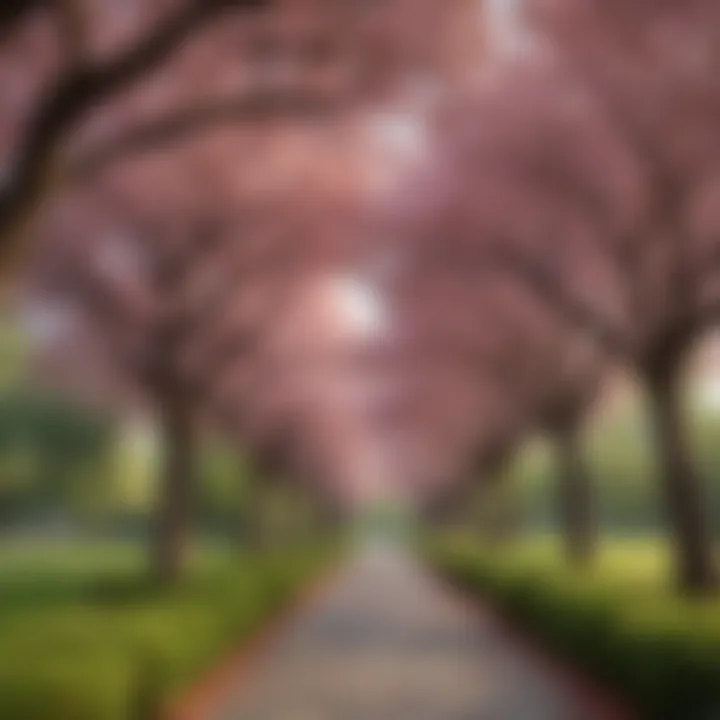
point(387, 642)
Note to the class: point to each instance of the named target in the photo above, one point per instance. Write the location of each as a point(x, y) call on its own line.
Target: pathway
point(388, 642)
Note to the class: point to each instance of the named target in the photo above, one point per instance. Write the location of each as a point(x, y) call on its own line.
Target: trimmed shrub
point(621, 622)
point(122, 652)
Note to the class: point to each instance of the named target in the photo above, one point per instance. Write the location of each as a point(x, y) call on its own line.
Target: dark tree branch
point(547, 171)
point(14, 12)
point(75, 95)
point(160, 132)
point(104, 306)
point(503, 256)
point(705, 317)
point(667, 194)
point(70, 19)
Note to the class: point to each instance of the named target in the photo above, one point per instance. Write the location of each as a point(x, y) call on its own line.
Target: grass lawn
point(36, 575)
point(84, 637)
point(622, 620)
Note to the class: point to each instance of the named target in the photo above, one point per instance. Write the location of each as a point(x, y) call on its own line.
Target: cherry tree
point(187, 278)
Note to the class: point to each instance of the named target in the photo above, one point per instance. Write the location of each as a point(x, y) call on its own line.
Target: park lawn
point(84, 637)
point(38, 574)
point(623, 621)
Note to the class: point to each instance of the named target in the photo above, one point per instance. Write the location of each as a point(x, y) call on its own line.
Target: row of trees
point(177, 164)
point(176, 298)
point(567, 223)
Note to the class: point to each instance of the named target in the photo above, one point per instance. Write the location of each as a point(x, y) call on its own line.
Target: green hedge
point(620, 621)
point(123, 651)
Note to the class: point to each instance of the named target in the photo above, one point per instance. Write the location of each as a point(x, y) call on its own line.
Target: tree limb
point(75, 95)
point(14, 12)
point(549, 289)
point(71, 21)
point(168, 129)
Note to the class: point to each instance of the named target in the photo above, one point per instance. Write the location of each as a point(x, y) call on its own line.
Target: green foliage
point(620, 459)
point(59, 460)
point(98, 644)
point(223, 492)
point(13, 352)
point(51, 450)
point(619, 620)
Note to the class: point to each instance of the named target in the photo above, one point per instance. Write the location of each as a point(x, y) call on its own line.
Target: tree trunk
point(329, 518)
point(259, 511)
point(500, 521)
point(447, 510)
point(682, 489)
point(174, 502)
point(576, 498)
